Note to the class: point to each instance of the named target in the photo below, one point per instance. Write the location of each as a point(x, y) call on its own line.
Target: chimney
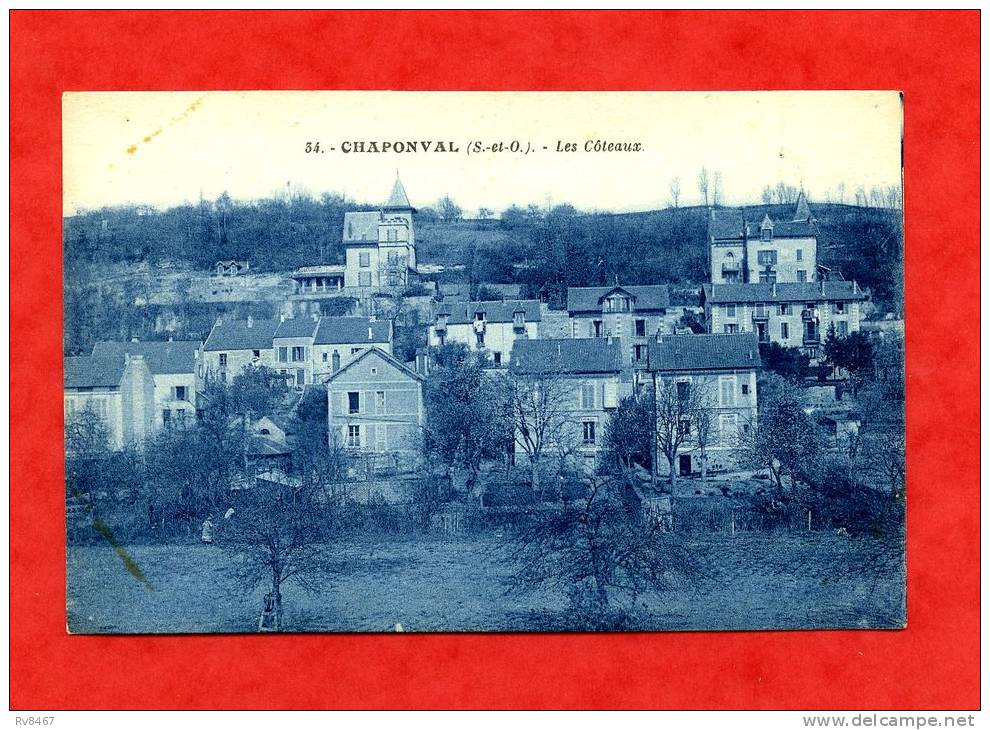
point(855, 287)
point(250, 321)
point(821, 286)
point(281, 318)
point(422, 362)
point(773, 289)
point(316, 316)
point(370, 333)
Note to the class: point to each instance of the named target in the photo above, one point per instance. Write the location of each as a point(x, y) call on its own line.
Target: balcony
point(731, 267)
point(761, 315)
point(809, 314)
point(813, 337)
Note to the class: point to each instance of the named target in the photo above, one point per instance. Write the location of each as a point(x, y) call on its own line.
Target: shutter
point(611, 394)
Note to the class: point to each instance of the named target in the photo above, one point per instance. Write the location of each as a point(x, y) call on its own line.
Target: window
point(588, 396)
point(840, 307)
point(767, 258)
point(479, 316)
point(380, 400)
point(283, 354)
point(355, 350)
point(393, 279)
point(336, 361)
point(731, 329)
point(639, 352)
point(353, 402)
point(766, 234)
point(684, 426)
point(842, 328)
point(596, 328)
point(393, 257)
point(256, 354)
point(354, 437)
point(223, 359)
point(166, 417)
point(588, 433)
point(728, 429)
point(760, 310)
point(730, 310)
point(745, 389)
point(497, 358)
point(768, 277)
point(364, 260)
point(641, 328)
point(802, 275)
point(727, 390)
point(800, 255)
point(683, 391)
point(519, 319)
point(785, 309)
point(324, 357)
point(364, 278)
point(181, 392)
point(785, 331)
point(374, 371)
point(298, 354)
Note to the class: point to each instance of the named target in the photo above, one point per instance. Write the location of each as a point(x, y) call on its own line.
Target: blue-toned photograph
point(483, 362)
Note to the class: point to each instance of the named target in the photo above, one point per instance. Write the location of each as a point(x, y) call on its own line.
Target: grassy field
point(752, 581)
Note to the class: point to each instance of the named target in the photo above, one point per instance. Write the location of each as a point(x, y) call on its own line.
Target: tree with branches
point(704, 184)
point(678, 405)
point(675, 192)
point(540, 413)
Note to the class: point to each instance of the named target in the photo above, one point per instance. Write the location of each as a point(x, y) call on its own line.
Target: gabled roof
point(495, 312)
point(163, 358)
point(705, 352)
point(352, 331)
point(739, 224)
point(238, 334)
point(362, 226)
point(398, 200)
point(93, 372)
point(296, 327)
point(591, 355)
point(375, 352)
point(812, 291)
point(589, 298)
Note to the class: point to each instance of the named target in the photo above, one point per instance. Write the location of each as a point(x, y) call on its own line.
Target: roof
point(370, 352)
point(820, 291)
point(323, 269)
point(241, 334)
point(705, 352)
point(569, 356)
point(93, 372)
point(163, 358)
point(735, 224)
point(261, 445)
point(361, 226)
point(498, 311)
point(352, 330)
point(296, 327)
point(398, 200)
point(589, 298)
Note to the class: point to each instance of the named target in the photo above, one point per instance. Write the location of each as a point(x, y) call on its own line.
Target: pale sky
point(163, 148)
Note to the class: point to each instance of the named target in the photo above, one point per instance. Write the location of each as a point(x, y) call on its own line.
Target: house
point(790, 314)
point(266, 447)
point(716, 374)
point(744, 250)
point(632, 314)
point(380, 246)
point(587, 379)
point(312, 285)
point(292, 346)
point(174, 366)
point(488, 327)
point(338, 340)
point(231, 268)
point(375, 408)
point(119, 390)
point(236, 344)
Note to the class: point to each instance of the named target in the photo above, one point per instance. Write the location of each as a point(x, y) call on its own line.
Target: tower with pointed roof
point(380, 246)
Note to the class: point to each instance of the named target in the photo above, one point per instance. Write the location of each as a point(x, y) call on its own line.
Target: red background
point(933, 57)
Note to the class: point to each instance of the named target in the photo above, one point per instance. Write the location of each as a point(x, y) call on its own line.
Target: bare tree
point(717, 188)
point(767, 195)
point(279, 532)
point(704, 184)
point(540, 406)
point(675, 191)
point(841, 193)
point(677, 407)
point(703, 423)
point(597, 549)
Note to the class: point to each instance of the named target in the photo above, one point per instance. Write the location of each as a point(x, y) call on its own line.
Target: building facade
point(292, 347)
point(380, 246)
point(339, 340)
point(716, 375)
point(375, 407)
point(120, 391)
point(175, 370)
point(236, 344)
point(743, 251)
point(632, 314)
point(491, 328)
point(792, 315)
point(586, 378)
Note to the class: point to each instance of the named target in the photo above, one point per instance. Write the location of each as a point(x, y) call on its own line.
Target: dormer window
point(479, 316)
point(519, 319)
